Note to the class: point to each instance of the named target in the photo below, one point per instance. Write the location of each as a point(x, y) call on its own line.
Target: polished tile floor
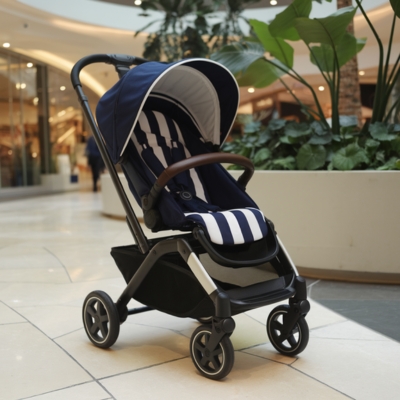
point(55, 249)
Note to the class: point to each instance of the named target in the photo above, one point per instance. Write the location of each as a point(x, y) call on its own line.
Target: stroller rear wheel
point(287, 343)
point(214, 364)
point(100, 319)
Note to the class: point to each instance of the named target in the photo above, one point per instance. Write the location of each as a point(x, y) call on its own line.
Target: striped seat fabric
point(160, 142)
point(244, 225)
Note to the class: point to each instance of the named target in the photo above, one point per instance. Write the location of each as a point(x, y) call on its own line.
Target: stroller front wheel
point(287, 342)
point(205, 320)
point(213, 364)
point(100, 319)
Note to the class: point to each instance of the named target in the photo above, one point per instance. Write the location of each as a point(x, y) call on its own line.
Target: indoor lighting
point(273, 2)
point(321, 88)
point(29, 65)
point(62, 88)
point(138, 2)
point(251, 90)
point(362, 73)
point(6, 44)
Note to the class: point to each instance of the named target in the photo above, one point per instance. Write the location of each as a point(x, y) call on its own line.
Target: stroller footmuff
point(164, 124)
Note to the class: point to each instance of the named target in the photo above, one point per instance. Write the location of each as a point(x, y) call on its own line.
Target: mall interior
point(56, 235)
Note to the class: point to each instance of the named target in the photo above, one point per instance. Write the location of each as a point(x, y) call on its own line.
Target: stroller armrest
point(148, 202)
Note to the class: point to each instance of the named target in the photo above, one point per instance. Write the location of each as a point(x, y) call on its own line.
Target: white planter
point(58, 183)
point(336, 225)
point(112, 205)
point(340, 225)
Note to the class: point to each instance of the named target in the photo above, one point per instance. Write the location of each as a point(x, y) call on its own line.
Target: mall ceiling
point(256, 4)
point(62, 32)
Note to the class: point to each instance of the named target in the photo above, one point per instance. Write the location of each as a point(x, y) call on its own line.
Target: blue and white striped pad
point(244, 225)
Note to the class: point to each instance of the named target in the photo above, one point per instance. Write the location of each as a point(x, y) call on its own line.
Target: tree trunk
point(349, 90)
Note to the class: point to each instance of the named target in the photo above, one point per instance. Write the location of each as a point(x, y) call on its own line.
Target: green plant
point(330, 46)
point(387, 77)
point(186, 28)
point(289, 145)
point(261, 60)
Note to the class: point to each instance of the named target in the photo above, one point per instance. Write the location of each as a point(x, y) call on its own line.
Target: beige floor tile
point(364, 366)
point(44, 294)
point(321, 316)
point(86, 391)
point(137, 347)
point(35, 275)
point(54, 321)
point(32, 364)
point(9, 316)
point(27, 256)
point(268, 352)
point(248, 332)
point(251, 378)
point(347, 330)
point(151, 357)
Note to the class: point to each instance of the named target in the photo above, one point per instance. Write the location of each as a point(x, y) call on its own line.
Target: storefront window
point(40, 119)
point(65, 119)
point(19, 130)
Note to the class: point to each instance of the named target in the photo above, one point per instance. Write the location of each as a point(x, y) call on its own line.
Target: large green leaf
point(311, 157)
point(262, 155)
point(396, 7)
point(392, 163)
point(321, 139)
point(349, 157)
point(283, 24)
point(259, 74)
point(277, 47)
point(276, 124)
point(284, 163)
point(329, 30)
point(324, 55)
point(395, 145)
point(238, 56)
point(380, 131)
point(294, 129)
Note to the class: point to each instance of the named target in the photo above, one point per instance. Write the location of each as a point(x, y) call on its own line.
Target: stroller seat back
point(160, 142)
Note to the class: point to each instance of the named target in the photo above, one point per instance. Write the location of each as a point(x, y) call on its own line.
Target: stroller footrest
point(259, 294)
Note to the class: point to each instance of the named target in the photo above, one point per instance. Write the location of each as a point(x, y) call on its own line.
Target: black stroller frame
point(210, 346)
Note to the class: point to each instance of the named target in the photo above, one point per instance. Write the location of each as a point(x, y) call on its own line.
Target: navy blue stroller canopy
point(202, 88)
point(159, 114)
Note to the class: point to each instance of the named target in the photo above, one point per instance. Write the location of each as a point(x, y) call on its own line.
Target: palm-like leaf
point(324, 55)
point(238, 57)
point(396, 7)
point(283, 24)
point(277, 47)
point(329, 30)
point(261, 73)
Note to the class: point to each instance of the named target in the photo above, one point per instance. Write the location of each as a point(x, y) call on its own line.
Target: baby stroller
point(164, 124)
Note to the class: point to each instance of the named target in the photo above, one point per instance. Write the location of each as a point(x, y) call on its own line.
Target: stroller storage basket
point(170, 286)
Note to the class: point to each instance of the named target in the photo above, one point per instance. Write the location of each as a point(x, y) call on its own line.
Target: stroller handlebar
point(118, 60)
point(149, 201)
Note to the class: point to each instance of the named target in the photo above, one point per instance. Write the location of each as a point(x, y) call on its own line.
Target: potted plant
point(191, 28)
point(338, 223)
point(320, 145)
